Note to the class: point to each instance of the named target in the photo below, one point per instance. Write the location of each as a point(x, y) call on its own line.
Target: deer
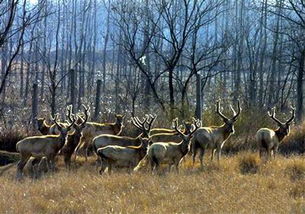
point(214, 137)
point(53, 130)
point(42, 146)
point(155, 131)
point(174, 136)
point(106, 140)
point(269, 139)
point(171, 153)
point(43, 127)
point(74, 138)
point(94, 129)
point(122, 157)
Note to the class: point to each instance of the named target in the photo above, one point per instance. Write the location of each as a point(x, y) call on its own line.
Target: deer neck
point(142, 152)
point(279, 134)
point(62, 139)
point(224, 131)
point(117, 127)
point(184, 147)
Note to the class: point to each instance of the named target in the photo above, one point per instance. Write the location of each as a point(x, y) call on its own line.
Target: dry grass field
point(239, 184)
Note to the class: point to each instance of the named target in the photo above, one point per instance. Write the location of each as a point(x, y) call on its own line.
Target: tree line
point(173, 56)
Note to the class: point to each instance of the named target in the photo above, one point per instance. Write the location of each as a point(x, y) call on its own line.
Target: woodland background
point(170, 57)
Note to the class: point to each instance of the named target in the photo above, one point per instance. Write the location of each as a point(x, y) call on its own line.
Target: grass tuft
point(249, 164)
point(296, 170)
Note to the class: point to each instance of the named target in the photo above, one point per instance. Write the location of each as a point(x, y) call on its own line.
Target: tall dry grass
point(274, 187)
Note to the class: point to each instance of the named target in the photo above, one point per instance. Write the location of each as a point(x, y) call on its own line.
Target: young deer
point(214, 137)
point(74, 139)
point(172, 137)
point(94, 129)
point(42, 146)
point(269, 139)
point(170, 152)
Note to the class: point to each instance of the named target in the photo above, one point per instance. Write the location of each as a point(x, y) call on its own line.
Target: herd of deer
point(158, 145)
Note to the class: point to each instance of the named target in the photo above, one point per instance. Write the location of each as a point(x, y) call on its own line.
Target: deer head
point(187, 137)
point(63, 130)
point(119, 119)
point(229, 122)
point(284, 128)
point(144, 125)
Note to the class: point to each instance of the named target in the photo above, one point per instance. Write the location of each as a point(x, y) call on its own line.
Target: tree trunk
point(198, 111)
point(34, 105)
point(300, 75)
point(97, 99)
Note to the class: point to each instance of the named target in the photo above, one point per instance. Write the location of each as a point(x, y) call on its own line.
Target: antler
point(152, 119)
point(175, 125)
point(292, 116)
point(220, 113)
point(273, 117)
point(86, 113)
point(69, 114)
point(138, 123)
point(234, 113)
point(54, 119)
point(197, 126)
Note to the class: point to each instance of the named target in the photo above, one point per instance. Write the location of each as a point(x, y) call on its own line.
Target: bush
point(296, 170)
point(249, 164)
point(9, 138)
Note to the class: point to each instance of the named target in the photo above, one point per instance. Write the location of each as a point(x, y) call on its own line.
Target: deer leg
point(268, 153)
point(275, 149)
point(177, 167)
point(261, 153)
point(20, 166)
point(201, 154)
point(110, 168)
point(103, 167)
point(213, 153)
point(194, 155)
point(218, 154)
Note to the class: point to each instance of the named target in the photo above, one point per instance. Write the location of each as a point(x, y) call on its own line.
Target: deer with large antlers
point(214, 137)
point(174, 136)
point(106, 140)
point(171, 152)
point(74, 139)
point(269, 139)
point(42, 146)
point(94, 129)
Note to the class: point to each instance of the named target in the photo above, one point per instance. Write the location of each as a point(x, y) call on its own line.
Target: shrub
point(296, 170)
point(9, 138)
point(249, 164)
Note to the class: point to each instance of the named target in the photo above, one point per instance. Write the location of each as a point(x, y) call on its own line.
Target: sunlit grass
point(274, 187)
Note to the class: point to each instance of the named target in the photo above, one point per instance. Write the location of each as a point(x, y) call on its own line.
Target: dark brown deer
point(74, 139)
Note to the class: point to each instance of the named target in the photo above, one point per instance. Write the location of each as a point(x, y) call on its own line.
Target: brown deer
point(42, 146)
point(214, 137)
point(171, 152)
point(74, 139)
point(94, 129)
point(43, 127)
point(269, 139)
point(174, 136)
point(106, 140)
point(154, 131)
point(122, 157)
